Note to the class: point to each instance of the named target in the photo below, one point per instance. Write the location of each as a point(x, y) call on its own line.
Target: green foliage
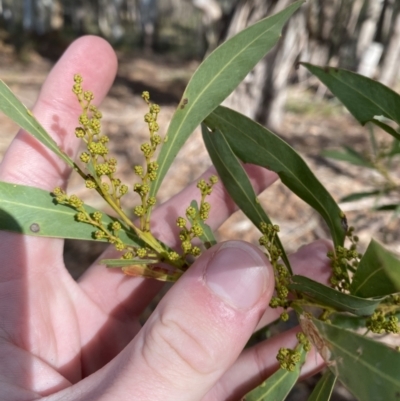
point(328, 297)
point(323, 389)
point(254, 144)
point(207, 236)
point(236, 181)
point(362, 291)
point(14, 109)
point(216, 78)
point(32, 211)
point(378, 273)
point(349, 155)
point(278, 385)
point(365, 98)
point(368, 368)
point(197, 216)
point(369, 102)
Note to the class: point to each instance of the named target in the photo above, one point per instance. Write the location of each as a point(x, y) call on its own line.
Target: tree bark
point(262, 94)
point(390, 66)
point(342, 33)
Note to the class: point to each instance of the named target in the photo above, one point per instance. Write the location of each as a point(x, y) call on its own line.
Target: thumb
point(199, 328)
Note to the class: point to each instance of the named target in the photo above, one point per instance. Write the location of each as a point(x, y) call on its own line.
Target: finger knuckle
point(179, 346)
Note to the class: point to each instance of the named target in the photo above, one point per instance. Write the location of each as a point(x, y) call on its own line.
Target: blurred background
point(361, 35)
point(160, 43)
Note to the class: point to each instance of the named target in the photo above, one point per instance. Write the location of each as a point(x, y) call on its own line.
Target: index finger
point(29, 162)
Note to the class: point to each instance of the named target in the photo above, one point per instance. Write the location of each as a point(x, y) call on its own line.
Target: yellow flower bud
point(139, 210)
point(127, 255)
point(90, 184)
point(78, 78)
point(88, 96)
point(97, 216)
point(123, 189)
point(119, 246)
point(141, 252)
point(116, 225)
point(148, 118)
point(80, 132)
point(85, 157)
point(77, 89)
point(154, 108)
point(173, 255)
point(146, 96)
point(58, 191)
point(181, 222)
point(138, 170)
point(213, 179)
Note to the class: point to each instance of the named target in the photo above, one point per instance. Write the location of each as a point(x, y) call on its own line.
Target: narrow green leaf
point(351, 357)
point(349, 155)
point(330, 297)
point(323, 389)
point(32, 211)
point(14, 109)
point(388, 207)
point(346, 321)
point(351, 322)
point(254, 144)
point(395, 148)
point(127, 262)
point(236, 181)
point(387, 128)
point(362, 96)
point(207, 238)
point(378, 273)
point(278, 385)
point(216, 78)
point(360, 195)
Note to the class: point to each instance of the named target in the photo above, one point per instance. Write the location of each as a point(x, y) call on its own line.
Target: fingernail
point(238, 274)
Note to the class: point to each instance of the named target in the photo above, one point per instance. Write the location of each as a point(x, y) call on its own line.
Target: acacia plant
point(362, 295)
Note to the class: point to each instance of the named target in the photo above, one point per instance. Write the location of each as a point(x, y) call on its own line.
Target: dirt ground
point(310, 125)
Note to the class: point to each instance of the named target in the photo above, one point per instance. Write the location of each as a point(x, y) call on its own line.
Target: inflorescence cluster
point(282, 276)
point(149, 173)
point(101, 167)
point(380, 323)
point(195, 219)
point(101, 177)
point(289, 358)
point(343, 261)
point(108, 232)
point(385, 319)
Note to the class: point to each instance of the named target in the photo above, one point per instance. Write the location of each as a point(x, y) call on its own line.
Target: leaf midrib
point(30, 206)
point(338, 302)
point(234, 178)
point(368, 278)
point(192, 104)
point(359, 359)
point(22, 114)
point(355, 89)
point(323, 387)
point(280, 163)
point(274, 385)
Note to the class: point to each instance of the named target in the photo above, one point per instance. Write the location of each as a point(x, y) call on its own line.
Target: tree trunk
point(262, 94)
point(361, 35)
point(390, 66)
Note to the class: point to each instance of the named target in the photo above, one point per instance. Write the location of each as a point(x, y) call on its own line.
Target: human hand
point(67, 340)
